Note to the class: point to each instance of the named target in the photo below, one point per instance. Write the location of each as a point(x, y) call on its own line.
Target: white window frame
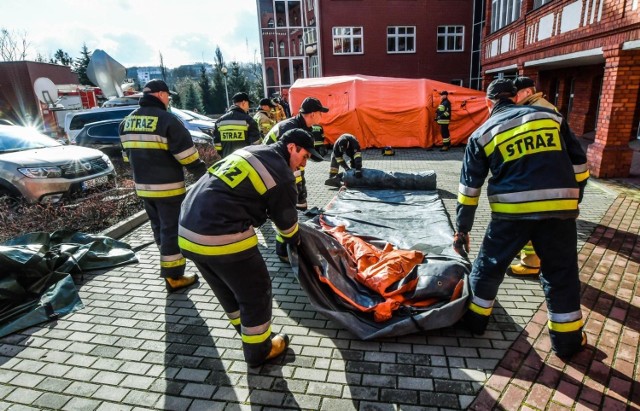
point(394, 34)
point(346, 38)
point(505, 12)
point(450, 32)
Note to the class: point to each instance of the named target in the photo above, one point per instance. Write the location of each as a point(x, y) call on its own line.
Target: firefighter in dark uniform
point(263, 117)
point(443, 117)
point(217, 231)
point(310, 114)
point(236, 128)
point(346, 145)
point(158, 146)
point(538, 174)
point(317, 131)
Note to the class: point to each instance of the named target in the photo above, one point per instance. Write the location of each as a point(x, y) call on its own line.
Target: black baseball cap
point(501, 88)
point(311, 105)
point(238, 97)
point(301, 138)
point(523, 82)
point(266, 102)
point(444, 93)
point(156, 86)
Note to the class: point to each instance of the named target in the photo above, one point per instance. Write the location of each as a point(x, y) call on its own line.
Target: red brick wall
point(375, 16)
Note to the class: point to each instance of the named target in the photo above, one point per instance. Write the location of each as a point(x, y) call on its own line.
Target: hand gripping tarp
point(408, 220)
point(35, 274)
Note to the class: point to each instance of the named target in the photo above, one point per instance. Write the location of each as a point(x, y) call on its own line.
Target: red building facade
point(391, 38)
point(584, 56)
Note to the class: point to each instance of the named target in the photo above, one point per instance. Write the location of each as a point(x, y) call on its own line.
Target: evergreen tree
point(80, 66)
point(61, 57)
point(176, 100)
point(192, 99)
point(207, 91)
point(219, 96)
point(237, 80)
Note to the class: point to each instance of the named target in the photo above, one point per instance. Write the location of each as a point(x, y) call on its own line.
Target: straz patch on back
point(147, 124)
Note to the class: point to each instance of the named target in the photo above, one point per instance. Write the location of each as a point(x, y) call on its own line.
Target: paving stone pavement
point(135, 347)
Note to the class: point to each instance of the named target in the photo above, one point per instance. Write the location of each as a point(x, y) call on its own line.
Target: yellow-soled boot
point(519, 269)
point(279, 344)
point(186, 280)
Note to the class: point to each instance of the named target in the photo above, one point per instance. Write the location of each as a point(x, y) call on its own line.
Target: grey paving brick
point(53, 384)
point(52, 400)
point(111, 406)
point(5, 390)
point(333, 404)
point(201, 405)
point(81, 374)
point(415, 383)
point(198, 390)
point(379, 380)
point(108, 377)
point(27, 380)
point(81, 404)
point(110, 393)
point(143, 398)
point(233, 394)
point(436, 399)
point(81, 389)
point(375, 406)
point(23, 396)
point(265, 397)
point(310, 374)
point(301, 401)
point(136, 381)
point(361, 393)
point(325, 389)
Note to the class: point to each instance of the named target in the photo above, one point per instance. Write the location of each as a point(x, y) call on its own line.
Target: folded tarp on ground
point(409, 220)
point(35, 274)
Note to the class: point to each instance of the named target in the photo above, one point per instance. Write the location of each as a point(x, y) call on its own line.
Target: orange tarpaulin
point(387, 111)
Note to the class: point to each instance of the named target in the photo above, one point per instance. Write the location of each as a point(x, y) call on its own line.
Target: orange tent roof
point(387, 111)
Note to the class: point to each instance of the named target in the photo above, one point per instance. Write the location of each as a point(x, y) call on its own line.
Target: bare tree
point(13, 46)
point(163, 69)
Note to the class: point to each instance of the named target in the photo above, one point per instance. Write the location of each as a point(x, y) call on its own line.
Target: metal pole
point(226, 91)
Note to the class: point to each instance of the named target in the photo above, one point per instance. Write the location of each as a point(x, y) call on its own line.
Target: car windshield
point(16, 138)
point(198, 115)
point(181, 114)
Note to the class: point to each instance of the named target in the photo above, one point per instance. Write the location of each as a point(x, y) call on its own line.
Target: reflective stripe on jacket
point(538, 168)
point(158, 145)
point(239, 193)
point(235, 129)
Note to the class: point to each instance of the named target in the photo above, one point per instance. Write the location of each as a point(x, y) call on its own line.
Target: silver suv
point(38, 169)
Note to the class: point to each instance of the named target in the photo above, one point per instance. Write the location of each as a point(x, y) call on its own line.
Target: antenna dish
point(45, 90)
point(107, 73)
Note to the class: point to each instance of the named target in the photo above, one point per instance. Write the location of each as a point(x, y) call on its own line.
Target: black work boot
point(475, 323)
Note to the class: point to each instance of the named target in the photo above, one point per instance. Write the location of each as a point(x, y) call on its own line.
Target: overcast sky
point(134, 32)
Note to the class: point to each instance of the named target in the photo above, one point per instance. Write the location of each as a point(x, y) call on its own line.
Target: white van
point(74, 121)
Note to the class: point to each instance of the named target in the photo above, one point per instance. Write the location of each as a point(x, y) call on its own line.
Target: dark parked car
point(103, 135)
point(38, 169)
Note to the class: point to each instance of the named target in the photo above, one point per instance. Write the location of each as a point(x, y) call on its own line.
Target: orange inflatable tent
point(387, 111)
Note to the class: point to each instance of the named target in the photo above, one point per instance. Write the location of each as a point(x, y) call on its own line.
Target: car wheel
point(9, 201)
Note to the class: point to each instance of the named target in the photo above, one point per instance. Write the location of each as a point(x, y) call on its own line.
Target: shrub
point(90, 215)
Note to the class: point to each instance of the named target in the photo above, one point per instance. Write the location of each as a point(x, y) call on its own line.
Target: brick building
point(391, 38)
point(585, 56)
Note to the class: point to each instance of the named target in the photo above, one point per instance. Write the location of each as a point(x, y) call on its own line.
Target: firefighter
point(236, 128)
point(443, 117)
point(263, 116)
point(317, 131)
point(310, 114)
point(539, 172)
point(158, 146)
point(217, 231)
point(527, 96)
point(345, 145)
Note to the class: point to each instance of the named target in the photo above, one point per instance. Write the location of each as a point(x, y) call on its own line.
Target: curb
point(122, 228)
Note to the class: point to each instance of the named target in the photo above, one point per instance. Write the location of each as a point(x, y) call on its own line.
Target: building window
point(539, 3)
point(270, 23)
point(347, 40)
point(450, 38)
point(401, 39)
point(457, 82)
point(504, 12)
point(310, 5)
point(272, 49)
point(281, 47)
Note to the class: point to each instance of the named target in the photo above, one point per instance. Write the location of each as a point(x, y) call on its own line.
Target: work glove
point(461, 243)
point(358, 173)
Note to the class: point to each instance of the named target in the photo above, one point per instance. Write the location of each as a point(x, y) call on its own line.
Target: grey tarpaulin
point(407, 219)
point(35, 274)
point(398, 180)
